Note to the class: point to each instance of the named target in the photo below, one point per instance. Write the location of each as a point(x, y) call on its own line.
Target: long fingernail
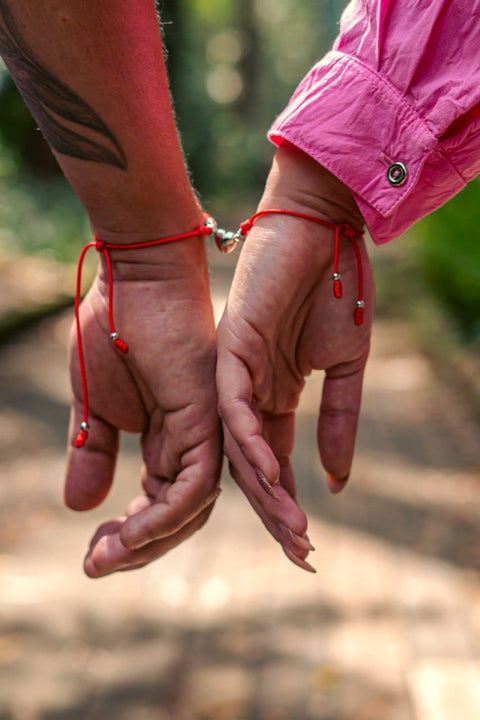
point(266, 485)
point(336, 484)
point(297, 560)
point(302, 542)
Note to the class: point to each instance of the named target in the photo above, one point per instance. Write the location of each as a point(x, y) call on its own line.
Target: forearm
point(95, 80)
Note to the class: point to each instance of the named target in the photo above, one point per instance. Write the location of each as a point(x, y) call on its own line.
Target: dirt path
point(224, 628)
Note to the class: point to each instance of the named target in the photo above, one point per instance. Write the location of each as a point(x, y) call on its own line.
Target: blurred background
point(224, 627)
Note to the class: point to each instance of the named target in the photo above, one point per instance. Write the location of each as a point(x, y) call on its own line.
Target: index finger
point(238, 412)
point(194, 489)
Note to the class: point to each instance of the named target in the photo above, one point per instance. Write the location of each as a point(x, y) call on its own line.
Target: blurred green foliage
point(19, 133)
point(447, 245)
point(233, 65)
point(39, 212)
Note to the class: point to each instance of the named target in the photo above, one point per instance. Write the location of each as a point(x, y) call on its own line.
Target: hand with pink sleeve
point(281, 322)
point(397, 123)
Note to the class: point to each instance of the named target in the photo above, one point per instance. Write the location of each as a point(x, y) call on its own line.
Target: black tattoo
point(54, 105)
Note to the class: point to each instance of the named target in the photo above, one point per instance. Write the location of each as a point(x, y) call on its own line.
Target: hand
point(280, 323)
point(164, 389)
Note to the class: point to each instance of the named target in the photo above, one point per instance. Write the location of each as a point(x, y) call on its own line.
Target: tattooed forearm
point(68, 123)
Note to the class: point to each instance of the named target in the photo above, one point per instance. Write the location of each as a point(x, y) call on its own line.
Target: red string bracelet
point(340, 229)
point(103, 247)
point(226, 242)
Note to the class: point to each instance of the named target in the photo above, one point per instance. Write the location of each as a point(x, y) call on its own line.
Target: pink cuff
point(355, 123)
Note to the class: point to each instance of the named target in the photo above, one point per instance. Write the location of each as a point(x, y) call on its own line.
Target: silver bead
point(360, 304)
point(228, 242)
point(84, 426)
point(219, 236)
point(336, 276)
point(114, 336)
point(211, 223)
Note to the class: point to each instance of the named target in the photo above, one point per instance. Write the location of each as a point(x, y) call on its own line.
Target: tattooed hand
point(93, 75)
point(163, 389)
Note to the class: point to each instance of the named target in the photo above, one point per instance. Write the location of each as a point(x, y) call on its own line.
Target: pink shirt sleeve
point(394, 109)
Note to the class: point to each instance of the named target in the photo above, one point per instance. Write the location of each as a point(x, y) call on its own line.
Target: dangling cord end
point(336, 277)
point(82, 436)
point(337, 285)
point(121, 345)
point(359, 314)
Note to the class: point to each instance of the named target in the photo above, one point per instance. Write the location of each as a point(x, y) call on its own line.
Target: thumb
point(238, 411)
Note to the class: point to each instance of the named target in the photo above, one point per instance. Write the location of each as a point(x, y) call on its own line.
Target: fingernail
point(309, 568)
point(302, 542)
point(336, 484)
point(266, 485)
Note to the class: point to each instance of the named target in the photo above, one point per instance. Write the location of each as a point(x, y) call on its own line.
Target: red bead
point(121, 345)
point(359, 315)
point(337, 289)
point(81, 439)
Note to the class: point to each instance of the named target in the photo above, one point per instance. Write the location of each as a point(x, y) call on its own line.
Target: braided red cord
point(103, 247)
point(359, 314)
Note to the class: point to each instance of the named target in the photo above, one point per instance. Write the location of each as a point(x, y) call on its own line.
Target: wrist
point(297, 182)
point(182, 245)
point(143, 222)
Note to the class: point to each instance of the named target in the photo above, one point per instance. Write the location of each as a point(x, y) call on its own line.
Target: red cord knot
point(245, 227)
point(337, 285)
point(204, 230)
point(82, 436)
point(359, 312)
point(348, 231)
point(99, 244)
point(119, 344)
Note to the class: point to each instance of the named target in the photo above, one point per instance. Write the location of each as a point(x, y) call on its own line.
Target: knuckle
point(226, 408)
